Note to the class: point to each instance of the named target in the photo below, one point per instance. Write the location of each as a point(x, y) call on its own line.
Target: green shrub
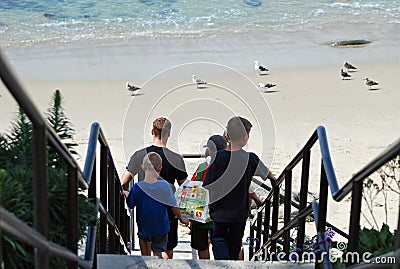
point(16, 186)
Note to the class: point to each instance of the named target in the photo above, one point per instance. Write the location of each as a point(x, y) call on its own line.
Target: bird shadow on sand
point(271, 91)
point(263, 74)
point(137, 94)
point(352, 71)
point(374, 89)
point(347, 79)
point(202, 87)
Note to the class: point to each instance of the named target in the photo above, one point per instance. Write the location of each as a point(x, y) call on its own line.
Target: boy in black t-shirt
point(228, 178)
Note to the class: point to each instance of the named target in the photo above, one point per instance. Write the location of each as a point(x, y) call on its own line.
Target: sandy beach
point(360, 122)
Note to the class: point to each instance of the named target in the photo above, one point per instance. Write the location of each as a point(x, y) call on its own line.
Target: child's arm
point(262, 171)
point(130, 198)
point(271, 176)
point(256, 199)
point(177, 213)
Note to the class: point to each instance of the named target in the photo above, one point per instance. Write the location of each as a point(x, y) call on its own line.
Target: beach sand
point(360, 123)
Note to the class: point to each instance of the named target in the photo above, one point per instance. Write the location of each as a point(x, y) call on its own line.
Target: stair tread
point(133, 261)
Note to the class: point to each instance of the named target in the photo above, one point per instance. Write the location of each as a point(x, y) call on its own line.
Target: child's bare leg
point(204, 254)
point(168, 254)
point(145, 247)
point(158, 254)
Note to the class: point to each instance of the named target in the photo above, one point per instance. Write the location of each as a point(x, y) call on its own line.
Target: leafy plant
point(16, 185)
point(376, 242)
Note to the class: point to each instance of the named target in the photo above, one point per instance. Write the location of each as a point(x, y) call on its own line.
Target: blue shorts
point(158, 243)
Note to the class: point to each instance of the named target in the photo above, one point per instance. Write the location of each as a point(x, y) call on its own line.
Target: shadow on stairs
point(106, 261)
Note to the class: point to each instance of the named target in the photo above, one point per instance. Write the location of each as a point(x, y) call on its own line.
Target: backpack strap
point(201, 172)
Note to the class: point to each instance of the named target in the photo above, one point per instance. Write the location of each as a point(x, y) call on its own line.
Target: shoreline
point(144, 57)
point(324, 32)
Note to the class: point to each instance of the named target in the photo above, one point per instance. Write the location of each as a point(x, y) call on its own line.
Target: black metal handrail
point(111, 204)
point(293, 203)
point(328, 179)
point(112, 210)
point(273, 198)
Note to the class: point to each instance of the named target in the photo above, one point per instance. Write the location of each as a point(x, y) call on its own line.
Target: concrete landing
point(105, 261)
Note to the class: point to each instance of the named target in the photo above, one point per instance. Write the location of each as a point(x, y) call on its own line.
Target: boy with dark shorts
point(152, 197)
point(228, 179)
point(201, 233)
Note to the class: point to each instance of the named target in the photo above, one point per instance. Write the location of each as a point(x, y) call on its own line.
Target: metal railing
point(110, 205)
point(111, 210)
point(264, 233)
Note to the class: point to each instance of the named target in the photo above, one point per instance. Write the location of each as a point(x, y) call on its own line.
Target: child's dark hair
point(237, 128)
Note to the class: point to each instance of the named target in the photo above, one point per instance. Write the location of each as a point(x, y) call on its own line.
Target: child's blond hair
point(152, 162)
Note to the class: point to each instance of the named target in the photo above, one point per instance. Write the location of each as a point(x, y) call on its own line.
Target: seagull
point(198, 81)
point(131, 88)
point(344, 74)
point(370, 83)
point(349, 66)
point(266, 85)
point(259, 67)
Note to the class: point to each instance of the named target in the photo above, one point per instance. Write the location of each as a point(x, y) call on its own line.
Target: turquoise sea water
point(36, 21)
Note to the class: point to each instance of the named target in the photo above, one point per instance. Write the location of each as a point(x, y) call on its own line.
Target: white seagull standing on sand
point(266, 85)
point(131, 88)
point(198, 81)
point(370, 83)
point(349, 66)
point(344, 74)
point(259, 67)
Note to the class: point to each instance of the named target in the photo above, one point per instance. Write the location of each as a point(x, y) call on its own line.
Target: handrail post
point(111, 209)
point(305, 174)
point(287, 212)
point(322, 212)
point(354, 230)
point(72, 213)
point(275, 215)
point(103, 198)
point(92, 186)
point(258, 233)
point(251, 242)
point(267, 217)
point(93, 197)
point(40, 191)
point(127, 232)
point(122, 214)
point(117, 212)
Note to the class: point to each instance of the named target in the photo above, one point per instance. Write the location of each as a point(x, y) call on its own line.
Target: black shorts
point(199, 237)
point(172, 234)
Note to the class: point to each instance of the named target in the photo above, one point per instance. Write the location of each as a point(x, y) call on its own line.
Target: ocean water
point(28, 22)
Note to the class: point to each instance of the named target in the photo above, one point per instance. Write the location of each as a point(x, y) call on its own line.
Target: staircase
point(106, 261)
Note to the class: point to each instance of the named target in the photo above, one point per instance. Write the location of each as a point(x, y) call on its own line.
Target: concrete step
point(106, 261)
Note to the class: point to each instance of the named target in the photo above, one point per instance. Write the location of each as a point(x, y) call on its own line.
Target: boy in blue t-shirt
point(151, 197)
point(228, 179)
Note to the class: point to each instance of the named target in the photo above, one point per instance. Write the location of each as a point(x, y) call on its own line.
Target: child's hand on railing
point(184, 221)
point(189, 230)
point(125, 193)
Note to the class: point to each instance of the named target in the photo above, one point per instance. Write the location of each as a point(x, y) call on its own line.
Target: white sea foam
point(88, 19)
